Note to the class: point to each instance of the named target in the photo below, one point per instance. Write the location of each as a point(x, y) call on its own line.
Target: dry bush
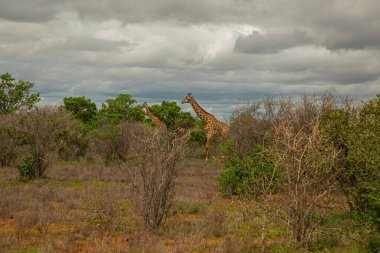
point(214, 222)
point(305, 160)
point(289, 131)
point(248, 126)
point(44, 132)
point(7, 143)
point(111, 142)
point(103, 211)
point(152, 168)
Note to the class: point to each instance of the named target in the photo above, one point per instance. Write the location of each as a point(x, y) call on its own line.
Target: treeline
point(295, 157)
point(32, 137)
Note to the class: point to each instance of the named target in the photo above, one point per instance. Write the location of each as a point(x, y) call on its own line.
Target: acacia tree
point(16, 95)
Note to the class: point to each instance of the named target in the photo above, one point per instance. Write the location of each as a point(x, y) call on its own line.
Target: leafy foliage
point(357, 134)
point(26, 168)
point(16, 95)
point(81, 108)
point(172, 115)
point(250, 175)
point(364, 158)
point(198, 135)
point(121, 108)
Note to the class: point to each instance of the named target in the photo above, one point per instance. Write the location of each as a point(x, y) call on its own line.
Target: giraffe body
point(213, 127)
point(153, 117)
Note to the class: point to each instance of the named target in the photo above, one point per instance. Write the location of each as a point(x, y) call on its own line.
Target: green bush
point(357, 134)
point(198, 137)
point(373, 243)
point(172, 115)
point(249, 176)
point(367, 202)
point(26, 169)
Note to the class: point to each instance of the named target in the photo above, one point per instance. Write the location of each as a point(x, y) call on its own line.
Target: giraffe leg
point(208, 146)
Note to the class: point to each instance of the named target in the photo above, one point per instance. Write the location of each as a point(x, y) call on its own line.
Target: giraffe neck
point(202, 114)
point(150, 114)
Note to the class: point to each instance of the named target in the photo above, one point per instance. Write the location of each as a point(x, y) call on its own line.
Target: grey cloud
point(160, 50)
point(270, 43)
point(341, 24)
point(29, 11)
point(92, 44)
point(365, 37)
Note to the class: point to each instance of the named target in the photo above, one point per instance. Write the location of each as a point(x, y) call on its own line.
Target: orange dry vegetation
point(85, 207)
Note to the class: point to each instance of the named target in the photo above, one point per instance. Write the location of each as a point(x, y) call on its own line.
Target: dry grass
point(86, 207)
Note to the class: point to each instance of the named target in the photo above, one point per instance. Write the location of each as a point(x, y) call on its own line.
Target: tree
point(42, 132)
point(121, 108)
point(16, 95)
point(81, 108)
point(172, 115)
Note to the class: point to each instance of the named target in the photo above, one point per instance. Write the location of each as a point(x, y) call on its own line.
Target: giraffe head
point(187, 99)
point(145, 104)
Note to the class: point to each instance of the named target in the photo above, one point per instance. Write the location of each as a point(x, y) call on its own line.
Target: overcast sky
point(223, 51)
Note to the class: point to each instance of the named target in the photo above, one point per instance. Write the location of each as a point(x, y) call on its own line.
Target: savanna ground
point(86, 207)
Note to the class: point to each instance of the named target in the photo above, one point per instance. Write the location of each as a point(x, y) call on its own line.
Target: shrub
point(43, 132)
point(356, 131)
point(198, 135)
point(8, 142)
point(26, 168)
point(151, 166)
point(297, 160)
point(249, 175)
point(112, 141)
point(306, 161)
point(248, 126)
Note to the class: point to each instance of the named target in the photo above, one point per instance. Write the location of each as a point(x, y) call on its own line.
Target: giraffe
point(212, 125)
point(153, 117)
